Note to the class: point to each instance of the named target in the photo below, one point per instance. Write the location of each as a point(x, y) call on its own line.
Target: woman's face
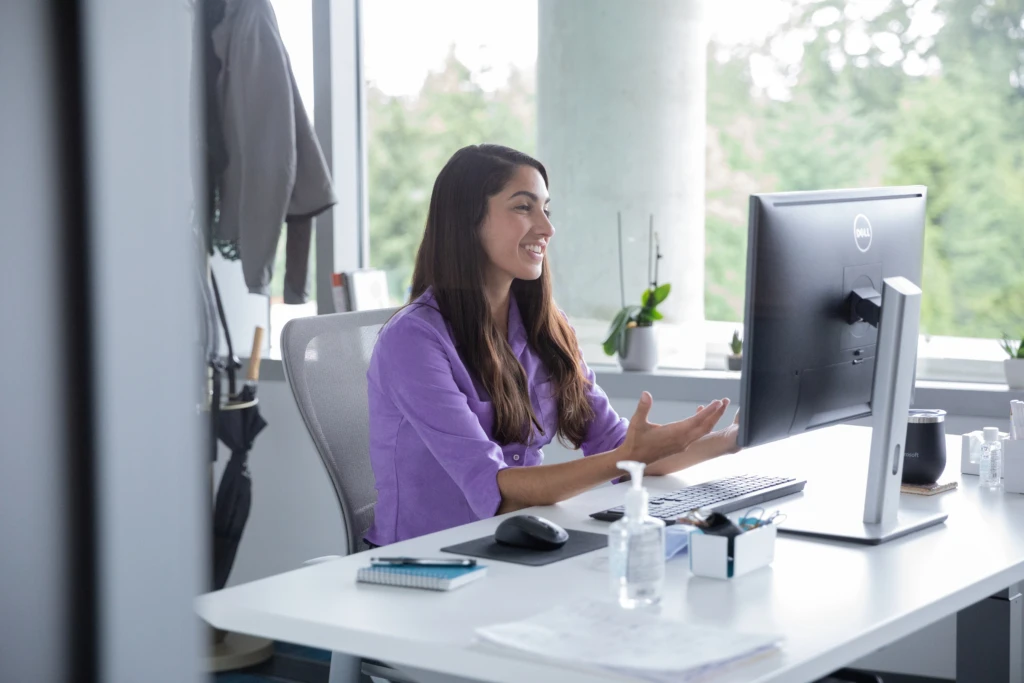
point(517, 230)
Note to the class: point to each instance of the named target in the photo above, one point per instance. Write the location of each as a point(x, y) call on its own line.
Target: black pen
point(421, 562)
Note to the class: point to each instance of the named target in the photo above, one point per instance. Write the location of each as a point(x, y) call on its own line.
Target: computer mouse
point(530, 532)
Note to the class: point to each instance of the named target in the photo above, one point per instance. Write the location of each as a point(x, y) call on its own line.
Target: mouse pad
point(579, 542)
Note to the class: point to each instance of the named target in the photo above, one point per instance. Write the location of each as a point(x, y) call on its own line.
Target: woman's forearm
point(523, 487)
point(703, 449)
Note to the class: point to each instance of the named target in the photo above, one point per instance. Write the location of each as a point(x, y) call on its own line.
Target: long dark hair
point(451, 260)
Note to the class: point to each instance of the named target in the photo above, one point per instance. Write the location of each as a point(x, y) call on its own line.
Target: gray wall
point(34, 606)
point(152, 542)
point(102, 551)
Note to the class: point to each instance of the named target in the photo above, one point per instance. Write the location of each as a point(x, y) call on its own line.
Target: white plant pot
point(641, 352)
point(1014, 369)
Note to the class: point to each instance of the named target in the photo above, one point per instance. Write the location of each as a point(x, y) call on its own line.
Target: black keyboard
point(721, 495)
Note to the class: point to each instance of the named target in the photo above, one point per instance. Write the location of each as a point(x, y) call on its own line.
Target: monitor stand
point(833, 525)
point(895, 359)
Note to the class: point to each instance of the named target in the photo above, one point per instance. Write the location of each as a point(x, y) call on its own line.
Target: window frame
point(339, 119)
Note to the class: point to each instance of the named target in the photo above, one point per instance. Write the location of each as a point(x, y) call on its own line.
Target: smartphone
point(422, 561)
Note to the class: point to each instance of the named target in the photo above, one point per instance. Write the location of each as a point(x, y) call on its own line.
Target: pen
point(422, 562)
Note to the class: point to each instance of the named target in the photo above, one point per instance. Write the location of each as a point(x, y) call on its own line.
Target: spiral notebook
point(429, 578)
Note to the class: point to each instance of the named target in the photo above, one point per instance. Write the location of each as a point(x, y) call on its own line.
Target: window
point(868, 93)
point(798, 95)
point(451, 73)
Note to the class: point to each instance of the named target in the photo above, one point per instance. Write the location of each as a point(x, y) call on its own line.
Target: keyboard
point(721, 495)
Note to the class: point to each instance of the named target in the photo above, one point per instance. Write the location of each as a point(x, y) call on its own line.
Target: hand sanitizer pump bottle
point(636, 547)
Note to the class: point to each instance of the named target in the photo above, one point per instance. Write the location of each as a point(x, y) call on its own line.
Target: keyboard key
point(672, 505)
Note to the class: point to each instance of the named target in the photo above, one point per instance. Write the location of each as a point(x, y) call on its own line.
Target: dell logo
point(862, 232)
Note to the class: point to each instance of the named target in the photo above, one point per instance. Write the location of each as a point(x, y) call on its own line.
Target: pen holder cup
point(720, 557)
point(1013, 465)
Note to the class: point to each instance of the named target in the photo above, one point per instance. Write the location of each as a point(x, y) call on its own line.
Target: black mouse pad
point(579, 542)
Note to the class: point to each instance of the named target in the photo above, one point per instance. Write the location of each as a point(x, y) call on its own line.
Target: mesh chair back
point(325, 361)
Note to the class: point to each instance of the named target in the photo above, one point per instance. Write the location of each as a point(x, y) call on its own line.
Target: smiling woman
point(515, 235)
point(469, 381)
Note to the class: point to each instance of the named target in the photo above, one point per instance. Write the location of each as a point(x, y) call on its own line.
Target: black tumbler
point(924, 454)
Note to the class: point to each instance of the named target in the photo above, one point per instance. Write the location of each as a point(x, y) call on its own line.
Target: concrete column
point(621, 110)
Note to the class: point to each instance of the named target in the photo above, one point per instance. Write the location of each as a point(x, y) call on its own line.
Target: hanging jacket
point(275, 172)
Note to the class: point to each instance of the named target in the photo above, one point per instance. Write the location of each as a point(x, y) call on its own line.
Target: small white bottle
point(636, 547)
point(991, 465)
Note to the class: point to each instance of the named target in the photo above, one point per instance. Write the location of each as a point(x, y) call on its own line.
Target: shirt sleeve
point(416, 374)
point(607, 430)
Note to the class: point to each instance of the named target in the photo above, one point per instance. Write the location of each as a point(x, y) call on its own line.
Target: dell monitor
point(830, 334)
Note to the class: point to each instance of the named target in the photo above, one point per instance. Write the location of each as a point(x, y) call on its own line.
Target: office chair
point(325, 362)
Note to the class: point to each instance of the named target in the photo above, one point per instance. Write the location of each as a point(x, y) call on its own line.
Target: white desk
point(833, 602)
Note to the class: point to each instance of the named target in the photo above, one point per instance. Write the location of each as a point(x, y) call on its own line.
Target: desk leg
point(988, 639)
point(346, 669)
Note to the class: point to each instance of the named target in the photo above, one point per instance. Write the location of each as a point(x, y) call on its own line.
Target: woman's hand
point(648, 442)
point(723, 441)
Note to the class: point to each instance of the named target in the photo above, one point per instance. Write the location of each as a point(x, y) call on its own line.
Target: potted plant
point(1014, 365)
point(735, 360)
point(631, 334)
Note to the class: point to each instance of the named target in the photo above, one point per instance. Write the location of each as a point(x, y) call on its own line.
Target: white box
point(709, 555)
point(1013, 466)
point(966, 466)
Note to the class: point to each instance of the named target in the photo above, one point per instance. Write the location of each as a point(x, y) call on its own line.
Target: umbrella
point(238, 423)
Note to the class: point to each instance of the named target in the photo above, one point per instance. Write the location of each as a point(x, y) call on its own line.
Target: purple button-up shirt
point(432, 444)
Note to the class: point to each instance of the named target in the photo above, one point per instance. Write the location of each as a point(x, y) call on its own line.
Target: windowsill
point(699, 386)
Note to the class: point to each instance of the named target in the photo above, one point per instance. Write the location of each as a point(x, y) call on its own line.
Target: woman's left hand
point(711, 445)
point(723, 441)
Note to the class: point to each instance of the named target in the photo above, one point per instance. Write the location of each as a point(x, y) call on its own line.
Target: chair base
point(237, 651)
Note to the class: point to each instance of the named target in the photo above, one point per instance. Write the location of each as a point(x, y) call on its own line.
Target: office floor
point(290, 664)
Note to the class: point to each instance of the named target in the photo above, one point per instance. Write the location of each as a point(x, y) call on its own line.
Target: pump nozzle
point(636, 497)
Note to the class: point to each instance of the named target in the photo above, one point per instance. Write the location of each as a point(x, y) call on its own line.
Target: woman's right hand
point(648, 442)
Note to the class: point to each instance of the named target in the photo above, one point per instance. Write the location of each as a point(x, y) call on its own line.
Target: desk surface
point(833, 602)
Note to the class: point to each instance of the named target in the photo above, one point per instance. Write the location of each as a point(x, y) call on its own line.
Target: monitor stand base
point(838, 527)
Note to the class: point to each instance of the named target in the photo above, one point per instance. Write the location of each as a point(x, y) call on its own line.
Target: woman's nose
point(546, 228)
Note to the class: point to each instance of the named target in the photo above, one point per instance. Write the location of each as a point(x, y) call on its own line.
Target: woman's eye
point(547, 212)
point(523, 207)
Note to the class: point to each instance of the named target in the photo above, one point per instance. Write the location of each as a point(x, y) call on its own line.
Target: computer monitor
point(830, 334)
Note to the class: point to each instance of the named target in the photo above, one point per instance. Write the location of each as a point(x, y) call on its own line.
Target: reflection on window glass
point(799, 96)
point(802, 96)
point(451, 73)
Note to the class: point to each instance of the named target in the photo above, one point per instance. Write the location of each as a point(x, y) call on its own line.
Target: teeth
point(535, 248)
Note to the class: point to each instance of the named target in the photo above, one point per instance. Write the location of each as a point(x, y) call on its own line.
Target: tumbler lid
point(926, 416)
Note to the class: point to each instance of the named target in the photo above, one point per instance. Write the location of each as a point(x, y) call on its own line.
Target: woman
point(481, 370)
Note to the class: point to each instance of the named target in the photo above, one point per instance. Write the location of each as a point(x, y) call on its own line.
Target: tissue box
point(966, 466)
point(709, 555)
point(1013, 466)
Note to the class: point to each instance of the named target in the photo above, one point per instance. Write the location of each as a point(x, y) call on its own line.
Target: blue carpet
point(302, 652)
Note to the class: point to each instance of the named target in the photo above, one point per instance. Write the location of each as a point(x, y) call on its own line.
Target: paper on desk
point(605, 635)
